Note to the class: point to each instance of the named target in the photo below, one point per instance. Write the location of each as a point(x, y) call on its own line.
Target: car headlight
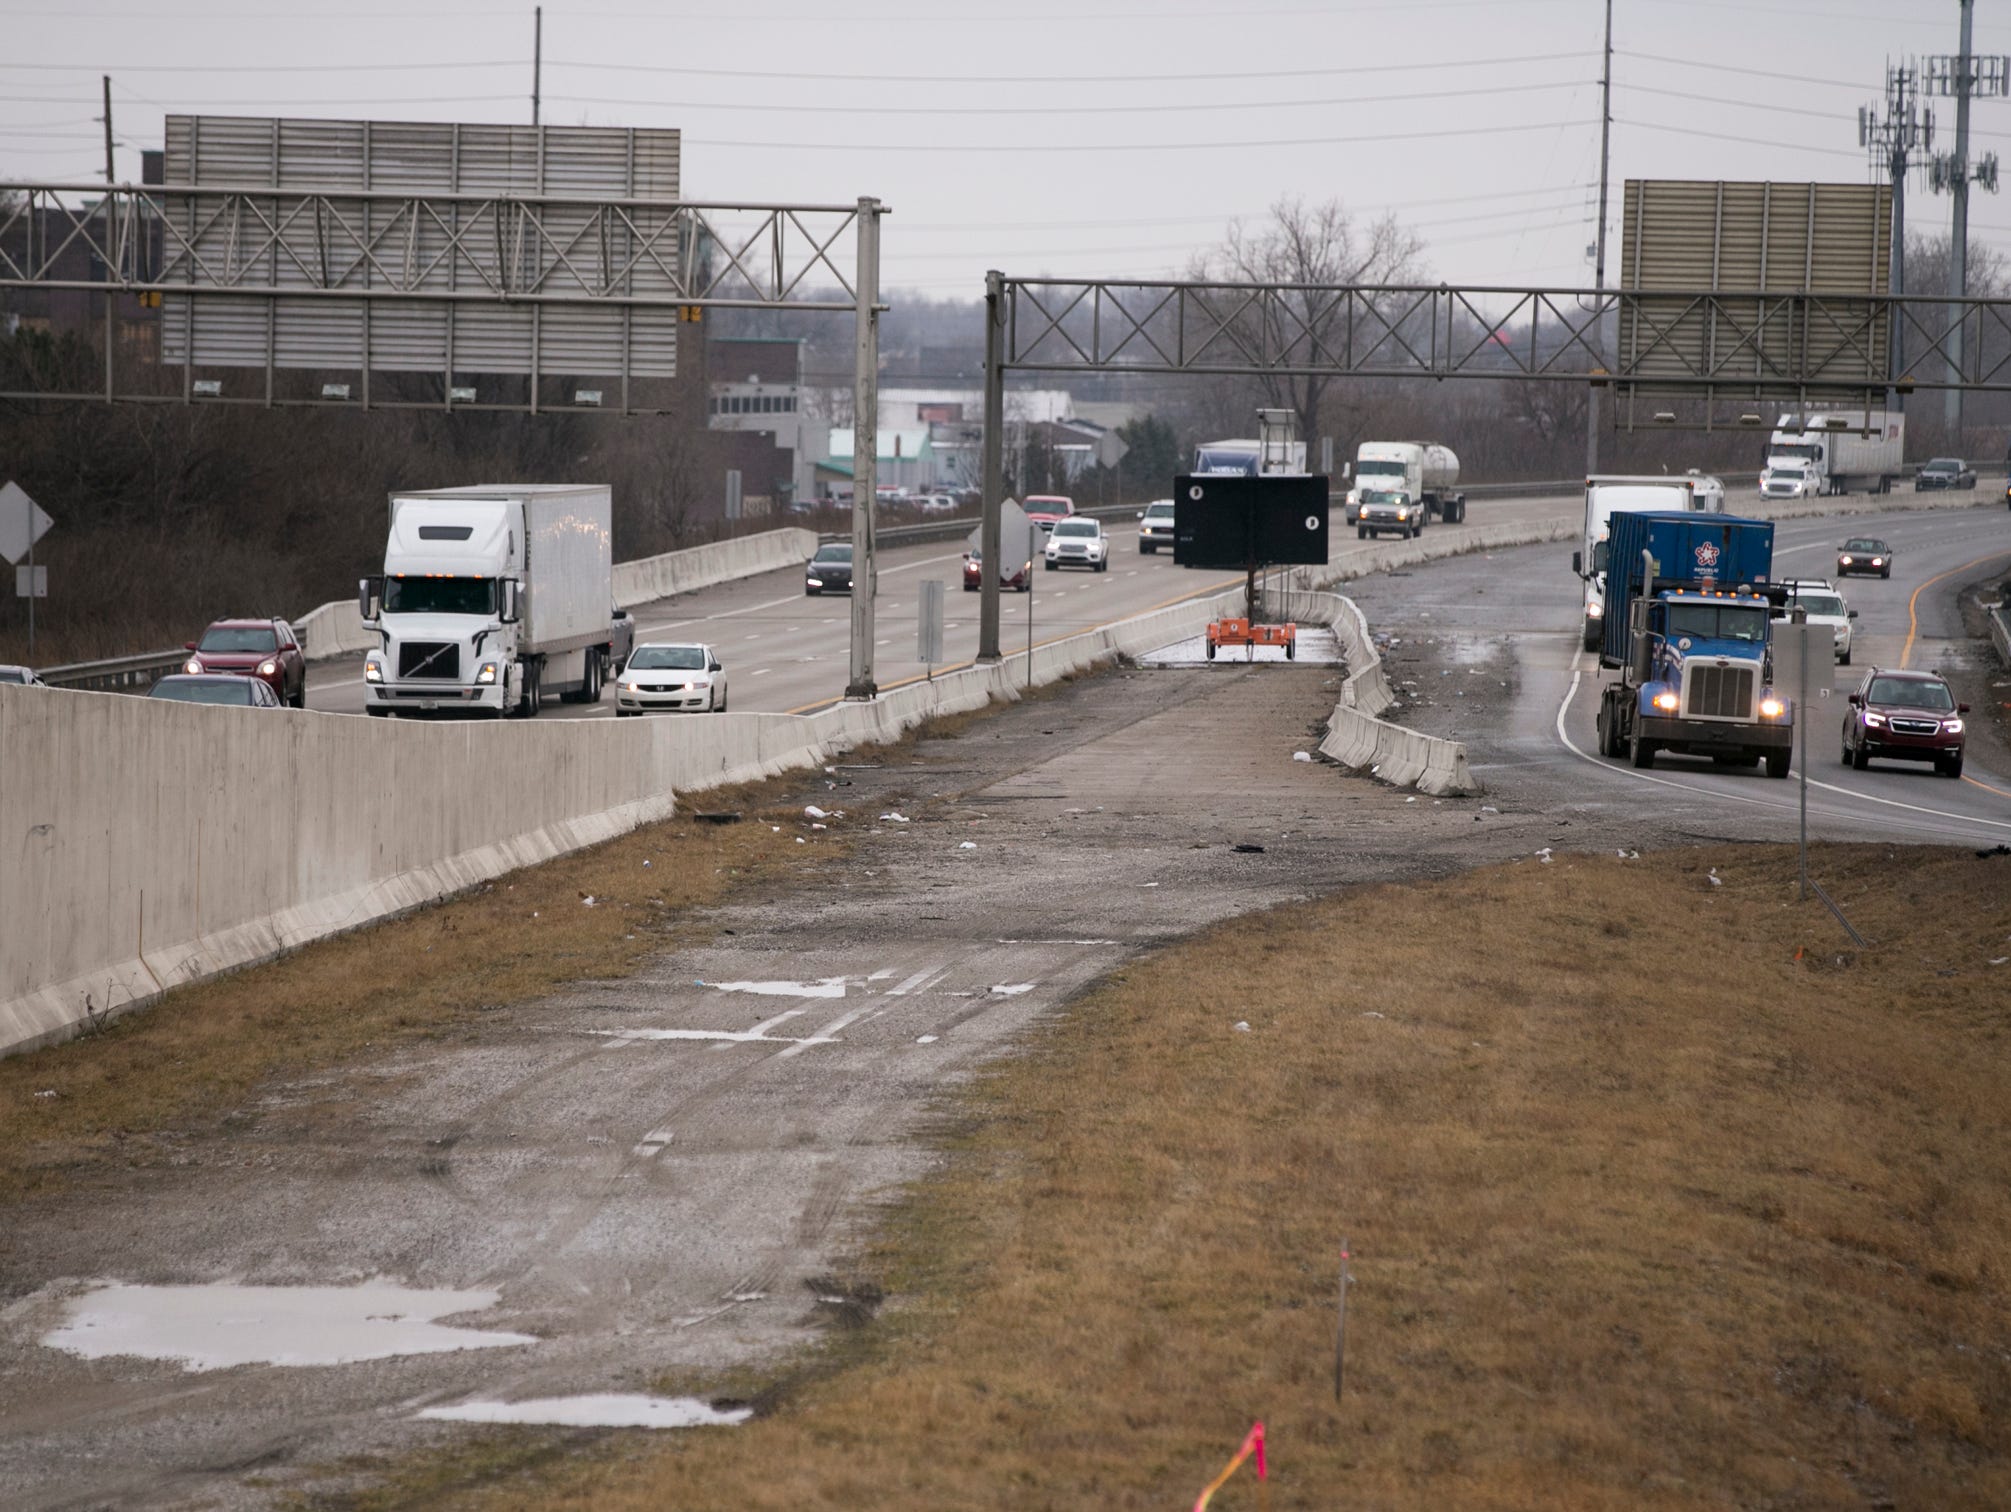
point(1771, 708)
point(1845, 562)
point(1665, 700)
point(699, 685)
point(193, 664)
point(1403, 514)
point(373, 672)
point(1877, 562)
point(1951, 727)
point(267, 667)
point(631, 687)
point(1873, 721)
point(487, 676)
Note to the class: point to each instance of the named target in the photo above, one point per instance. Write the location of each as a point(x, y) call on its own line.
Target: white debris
point(1410, 800)
point(925, 1039)
point(819, 826)
point(1488, 808)
point(811, 811)
point(1714, 879)
point(893, 818)
point(1302, 755)
point(589, 900)
point(1242, 1026)
point(1148, 884)
point(645, 865)
point(1013, 990)
point(801, 841)
point(1994, 961)
point(1372, 1014)
point(776, 827)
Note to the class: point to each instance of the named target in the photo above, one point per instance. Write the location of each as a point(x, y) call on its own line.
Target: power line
point(1839, 114)
point(1183, 108)
point(1052, 78)
point(1241, 145)
point(1771, 75)
point(1743, 141)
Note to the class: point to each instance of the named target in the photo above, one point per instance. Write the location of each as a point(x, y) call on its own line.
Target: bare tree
point(1306, 252)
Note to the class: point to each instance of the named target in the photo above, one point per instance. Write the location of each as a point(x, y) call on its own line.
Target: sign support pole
point(865, 449)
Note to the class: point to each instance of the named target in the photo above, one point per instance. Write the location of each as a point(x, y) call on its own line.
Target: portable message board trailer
point(1230, 521)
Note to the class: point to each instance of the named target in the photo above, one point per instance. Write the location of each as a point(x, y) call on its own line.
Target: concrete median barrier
point(1358, 737)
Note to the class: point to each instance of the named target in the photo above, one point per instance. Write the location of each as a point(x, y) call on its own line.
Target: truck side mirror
point(369, 594)
point(1853, 614)
point(1578, 563)
point(512, 591)
point(1347, 471)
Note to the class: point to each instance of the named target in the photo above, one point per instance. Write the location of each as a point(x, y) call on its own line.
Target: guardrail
point(119, 674)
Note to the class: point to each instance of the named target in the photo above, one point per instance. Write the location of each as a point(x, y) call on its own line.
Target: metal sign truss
point(1712, 343)
point(391, 245)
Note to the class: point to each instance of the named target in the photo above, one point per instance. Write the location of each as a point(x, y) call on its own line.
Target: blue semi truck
point(1687, 628)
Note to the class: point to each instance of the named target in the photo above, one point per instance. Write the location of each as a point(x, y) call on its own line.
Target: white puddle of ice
point(606, 1411)
point(217, 1327)
point(830, 987)
point(1013, 989)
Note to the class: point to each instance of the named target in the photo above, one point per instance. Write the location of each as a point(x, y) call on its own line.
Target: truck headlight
point(1595, 611)
point(1403, 514)
point(373, 672)
point(487, 676)
point(1771, 708)
point(1665, 700)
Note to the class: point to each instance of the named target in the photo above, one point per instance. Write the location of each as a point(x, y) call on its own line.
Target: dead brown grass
point(1659, 1197)
point(103, 1099)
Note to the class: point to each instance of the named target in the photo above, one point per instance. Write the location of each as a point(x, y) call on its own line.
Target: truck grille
point(429, 659)
point(1718, 692)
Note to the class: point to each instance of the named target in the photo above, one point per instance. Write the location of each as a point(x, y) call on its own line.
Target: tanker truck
point(1398, 485)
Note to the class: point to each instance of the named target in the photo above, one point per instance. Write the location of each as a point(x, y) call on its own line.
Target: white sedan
point(1078, 542)
point(662, 676)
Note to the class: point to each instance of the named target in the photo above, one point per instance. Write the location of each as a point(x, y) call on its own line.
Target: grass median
point(1660, 1195)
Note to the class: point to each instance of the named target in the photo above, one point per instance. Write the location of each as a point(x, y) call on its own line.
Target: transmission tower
point(1962, 76)
point(1895, 140)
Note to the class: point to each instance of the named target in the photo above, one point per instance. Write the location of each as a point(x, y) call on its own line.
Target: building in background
point(755, 388)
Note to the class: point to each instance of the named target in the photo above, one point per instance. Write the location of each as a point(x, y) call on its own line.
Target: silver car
point(666, 676)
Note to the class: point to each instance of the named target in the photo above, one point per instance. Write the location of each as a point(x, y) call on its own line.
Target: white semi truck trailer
point(1838, 451)
point(491, 598)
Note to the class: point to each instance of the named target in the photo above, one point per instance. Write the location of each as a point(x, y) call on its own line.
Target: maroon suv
point(263, 648)
point(1904, 716)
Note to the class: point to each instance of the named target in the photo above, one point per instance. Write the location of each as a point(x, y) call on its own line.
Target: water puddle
point(217, 1327)
point(611, 1411)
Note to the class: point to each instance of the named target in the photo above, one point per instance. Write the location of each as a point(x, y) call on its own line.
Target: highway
point(1512, 614)
point(786, 652)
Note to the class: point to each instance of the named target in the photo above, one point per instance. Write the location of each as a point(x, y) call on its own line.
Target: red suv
point(1904, 716)
point(263, 648)
point(974, 576)
point(1046, 509)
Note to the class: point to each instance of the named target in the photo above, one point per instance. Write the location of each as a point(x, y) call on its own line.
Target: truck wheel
point(1642, 752)
point(1591, 636)
point(1777, 762)
point(378, 713)
point(534, 695)
point(1608, 746)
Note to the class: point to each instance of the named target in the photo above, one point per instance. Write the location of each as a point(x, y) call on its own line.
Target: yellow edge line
point(825, 703)
point(1912, 621)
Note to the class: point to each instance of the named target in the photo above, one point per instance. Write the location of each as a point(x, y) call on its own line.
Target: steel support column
point(865, 448)
point(993, 477)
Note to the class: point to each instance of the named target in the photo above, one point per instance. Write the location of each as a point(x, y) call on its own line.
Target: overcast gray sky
point(1099, 137)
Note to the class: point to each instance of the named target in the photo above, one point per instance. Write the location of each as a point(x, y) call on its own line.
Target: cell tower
point(1895, 140)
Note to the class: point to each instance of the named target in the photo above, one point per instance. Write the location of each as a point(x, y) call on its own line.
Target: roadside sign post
point(1792, 654)
point(22, 523)
point(1033, 549)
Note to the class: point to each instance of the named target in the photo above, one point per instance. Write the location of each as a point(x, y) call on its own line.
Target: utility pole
point(865, 449)
point(1892, 140)
point(1599, 244)
point(109, 179)
point(1962, 76)
point(537, 59)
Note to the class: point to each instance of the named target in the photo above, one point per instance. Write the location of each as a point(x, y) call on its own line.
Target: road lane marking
point(1912, 621)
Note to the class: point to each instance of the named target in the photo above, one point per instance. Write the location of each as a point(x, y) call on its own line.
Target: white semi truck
point(491, 598)
point(1837, 451)
point(1398, 485)
point(1606, 496)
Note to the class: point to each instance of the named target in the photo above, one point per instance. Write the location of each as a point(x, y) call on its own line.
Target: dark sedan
point(1864, 554)
point(1904, 716)
point(266, 649)
point(1944, 472)
point(225, 688)
point(829, 571)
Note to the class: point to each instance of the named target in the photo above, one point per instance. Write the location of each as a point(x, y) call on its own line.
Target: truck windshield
point(1791, 451)
point(1737, 622)
point(439, 595)
point(1374, 468)
point(1382, 496)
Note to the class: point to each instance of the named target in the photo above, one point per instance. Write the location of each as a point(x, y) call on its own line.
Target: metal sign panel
point(23, 522)
point(511, 215)
point(1227, 521)
point(929, 626)
point(31, 582)
point(1760, 249)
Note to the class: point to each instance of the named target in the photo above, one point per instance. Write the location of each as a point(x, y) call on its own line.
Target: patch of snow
point(608, 1411)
